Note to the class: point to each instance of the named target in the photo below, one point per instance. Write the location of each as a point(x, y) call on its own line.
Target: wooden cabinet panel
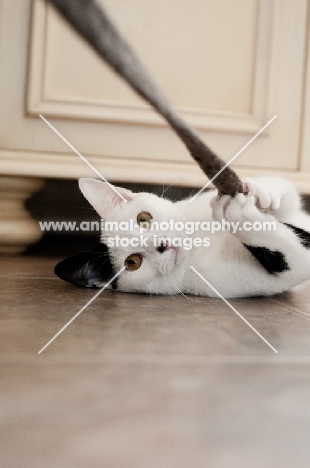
point(305, 143)
point(228, 66)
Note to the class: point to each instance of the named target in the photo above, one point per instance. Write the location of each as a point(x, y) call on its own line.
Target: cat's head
point(132, 238)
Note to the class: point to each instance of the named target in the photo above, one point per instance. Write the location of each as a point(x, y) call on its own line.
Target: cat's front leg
point(243, 218)
point(274, 195)
point(283, 252)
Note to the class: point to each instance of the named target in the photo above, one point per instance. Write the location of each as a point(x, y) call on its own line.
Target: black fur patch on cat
point(303, 235)
point(272, 260)
point(87, 269)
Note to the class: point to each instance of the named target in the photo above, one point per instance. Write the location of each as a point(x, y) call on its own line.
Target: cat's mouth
point(169, 260)
point(172, 247)
point(177, 253)
point(174, 253)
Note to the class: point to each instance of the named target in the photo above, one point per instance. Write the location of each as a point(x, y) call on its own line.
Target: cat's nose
point(161, 248)
point(165, 244)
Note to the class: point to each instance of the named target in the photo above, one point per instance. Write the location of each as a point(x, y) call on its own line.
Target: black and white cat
point(238, 262)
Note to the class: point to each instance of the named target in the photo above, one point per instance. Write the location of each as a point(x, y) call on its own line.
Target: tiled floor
point(149, 382)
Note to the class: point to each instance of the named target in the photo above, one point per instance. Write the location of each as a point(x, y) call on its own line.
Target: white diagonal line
point(83, 308)
point(232, 159)
point(82, 157)
point(235, 310)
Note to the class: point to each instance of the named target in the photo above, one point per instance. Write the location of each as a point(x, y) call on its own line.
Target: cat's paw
point(240, 208)
point(267, 195)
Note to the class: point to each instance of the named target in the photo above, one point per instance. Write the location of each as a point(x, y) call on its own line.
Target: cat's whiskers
point(99, 256)
point(165, 190)
point(176, 285)
point(169, 289)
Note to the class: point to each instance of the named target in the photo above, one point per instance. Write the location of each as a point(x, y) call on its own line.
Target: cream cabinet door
point(227, 65)
point(304, 163)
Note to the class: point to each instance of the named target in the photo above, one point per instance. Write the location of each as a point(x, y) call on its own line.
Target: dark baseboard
point(61, 200)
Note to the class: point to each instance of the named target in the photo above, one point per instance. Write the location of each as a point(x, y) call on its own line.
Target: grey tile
point(138, 381)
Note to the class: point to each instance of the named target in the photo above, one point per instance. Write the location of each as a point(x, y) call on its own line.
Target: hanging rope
point(91, 21)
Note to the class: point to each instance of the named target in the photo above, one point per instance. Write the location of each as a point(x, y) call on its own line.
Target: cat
point(238, 262)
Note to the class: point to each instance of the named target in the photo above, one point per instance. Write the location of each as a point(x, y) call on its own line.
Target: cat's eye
point(133, 262)
point(144, 219)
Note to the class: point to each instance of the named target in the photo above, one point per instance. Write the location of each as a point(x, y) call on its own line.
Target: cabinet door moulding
point(141, 114)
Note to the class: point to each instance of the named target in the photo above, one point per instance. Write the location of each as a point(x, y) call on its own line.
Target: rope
point(90, 20)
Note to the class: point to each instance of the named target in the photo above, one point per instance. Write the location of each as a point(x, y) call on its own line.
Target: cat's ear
point(88, 269)
point(102, 196)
